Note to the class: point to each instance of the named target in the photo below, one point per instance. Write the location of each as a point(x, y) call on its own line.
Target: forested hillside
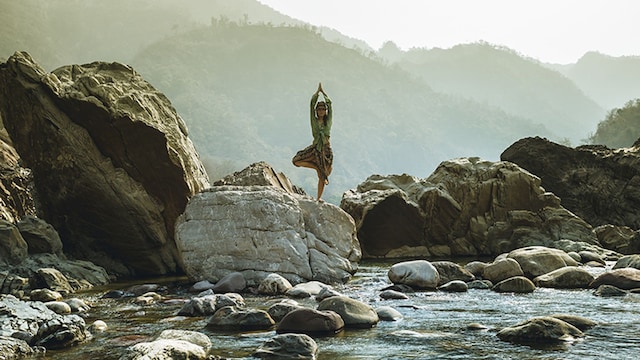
point(244, 91)
point(241, 75)
point(62, 32)
point(621, 127)
point(501, 77)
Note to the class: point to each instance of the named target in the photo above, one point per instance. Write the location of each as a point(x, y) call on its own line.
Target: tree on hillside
point(621, 127)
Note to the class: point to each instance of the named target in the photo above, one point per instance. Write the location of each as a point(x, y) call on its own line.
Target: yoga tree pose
point(318, 155)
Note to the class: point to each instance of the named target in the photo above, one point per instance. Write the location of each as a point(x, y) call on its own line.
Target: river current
point(435, 323)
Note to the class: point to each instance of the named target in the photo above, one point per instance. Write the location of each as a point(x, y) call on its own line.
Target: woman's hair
point(321, 104)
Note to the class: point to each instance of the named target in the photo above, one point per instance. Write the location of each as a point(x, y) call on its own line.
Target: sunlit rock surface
point(16, 183)
point(467, 207)
point(262, 229)
point(111, 160)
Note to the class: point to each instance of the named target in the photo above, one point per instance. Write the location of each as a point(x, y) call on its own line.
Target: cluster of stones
point(224, 307)
point(519, 271)
point(38, 310)
point(46, 322)
point(522, 271)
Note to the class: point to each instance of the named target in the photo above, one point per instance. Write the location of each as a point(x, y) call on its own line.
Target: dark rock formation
point(16, 183)
point(598, 184)
point(540, 330)
point(467, 207)
point(111, 160)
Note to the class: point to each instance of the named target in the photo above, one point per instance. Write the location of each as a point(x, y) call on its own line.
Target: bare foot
point(326, 181)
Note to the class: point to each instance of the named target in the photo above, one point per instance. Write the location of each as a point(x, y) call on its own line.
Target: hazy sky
point(559, 31)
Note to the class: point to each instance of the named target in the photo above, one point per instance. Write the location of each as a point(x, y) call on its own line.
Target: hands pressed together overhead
point(320, 90)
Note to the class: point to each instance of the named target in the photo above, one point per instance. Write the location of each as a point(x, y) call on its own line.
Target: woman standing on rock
point(318, 155)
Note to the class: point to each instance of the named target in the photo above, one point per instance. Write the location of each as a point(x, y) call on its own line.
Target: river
point(435, 323)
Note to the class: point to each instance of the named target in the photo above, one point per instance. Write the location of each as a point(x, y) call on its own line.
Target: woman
point(318, 155)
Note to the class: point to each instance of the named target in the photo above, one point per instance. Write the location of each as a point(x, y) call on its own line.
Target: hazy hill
point(611, 81)
point(244, 92)
point(242, 83)
point(62, 32)
point(499, 76)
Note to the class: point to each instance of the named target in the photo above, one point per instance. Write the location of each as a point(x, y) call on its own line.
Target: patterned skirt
point(322, 160)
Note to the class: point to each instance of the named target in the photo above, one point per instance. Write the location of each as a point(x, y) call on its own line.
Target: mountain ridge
point(390, 120)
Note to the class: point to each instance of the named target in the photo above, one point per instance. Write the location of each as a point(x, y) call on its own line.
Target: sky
point(555, 31)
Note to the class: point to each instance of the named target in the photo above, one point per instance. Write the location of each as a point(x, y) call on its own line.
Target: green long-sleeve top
point(321, 132)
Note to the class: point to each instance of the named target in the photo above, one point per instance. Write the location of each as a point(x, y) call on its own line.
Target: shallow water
point(434, 324)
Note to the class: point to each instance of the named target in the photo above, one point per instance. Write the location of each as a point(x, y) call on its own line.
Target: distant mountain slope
point(501, 77)
point(62, 32)
point(611, 81)
point(244, 92)
point(243, 85)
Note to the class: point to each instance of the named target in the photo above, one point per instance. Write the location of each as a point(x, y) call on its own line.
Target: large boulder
point(262, 229)
point(624, 278)
point(288, 346)
point(587, 178)
point(568, 277)
point(502, 269)
point(467, 207)
point(310, 321)
point(233, 318)
point(539, 260)
point(544, 329)
point(355, 313)
point(111, 160)
point(419, 274)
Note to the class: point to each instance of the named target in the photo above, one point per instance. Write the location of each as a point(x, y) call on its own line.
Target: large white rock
point(259, 230)
point(417, 273)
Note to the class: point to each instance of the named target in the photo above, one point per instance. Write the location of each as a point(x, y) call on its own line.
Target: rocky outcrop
point(599, 184)
point(111, 161)
point(467, 207)
point(258, 230)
